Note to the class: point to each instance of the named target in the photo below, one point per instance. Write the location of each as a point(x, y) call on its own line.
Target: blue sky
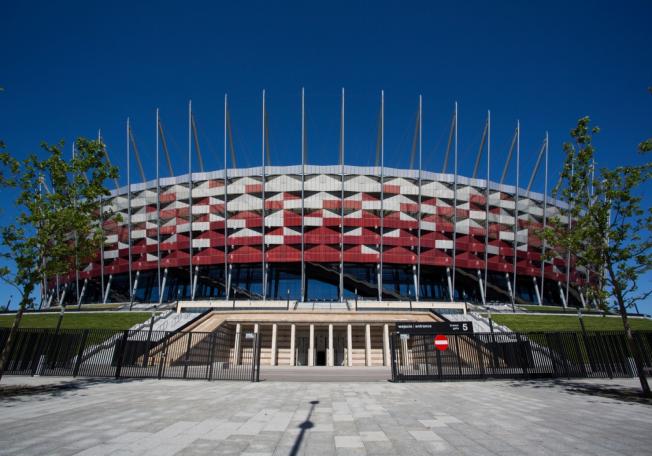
point(71, 68)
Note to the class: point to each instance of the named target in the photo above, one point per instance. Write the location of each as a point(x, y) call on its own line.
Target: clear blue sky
point(71, 68)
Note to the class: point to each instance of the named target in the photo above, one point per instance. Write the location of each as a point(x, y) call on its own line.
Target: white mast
point(158, 212)
point(342, 199)
point(99, 140)
point(131, 291)
point(545, 221)
point(516, 195)
point(227, 279)
point(303, 179)
point(191, 282)
point(486, 205)
point(455, 208)
point(382, 192)
point(417, 291)
point(262, 225)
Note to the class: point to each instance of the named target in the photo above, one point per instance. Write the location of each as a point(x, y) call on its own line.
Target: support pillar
point(330, 358)
point(562, 294)
point(274, 333)
point(83, 291)
point(386, 351)
point(536, 290)
point(480, 282)
point(349, 345)
point(293, 335)
point(450, 284)
point(162, 290)
point(509, 288)
point(237, 352)
point(311, 346)
point(367, 344)
point(108, 288)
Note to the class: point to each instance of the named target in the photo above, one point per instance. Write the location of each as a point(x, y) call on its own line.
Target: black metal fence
point(518, 355)
point(133, 354)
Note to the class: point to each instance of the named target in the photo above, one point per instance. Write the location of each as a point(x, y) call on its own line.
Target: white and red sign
point(441, 342)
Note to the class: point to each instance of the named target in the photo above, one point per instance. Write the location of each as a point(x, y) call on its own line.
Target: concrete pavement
point(63, 416)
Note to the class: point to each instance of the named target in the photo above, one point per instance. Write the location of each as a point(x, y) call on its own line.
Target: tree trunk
point(631, 343)
point(12, 334)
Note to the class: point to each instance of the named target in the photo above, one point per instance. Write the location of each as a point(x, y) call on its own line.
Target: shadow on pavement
point(55, 388)
point(605, 390)
point(304, 426)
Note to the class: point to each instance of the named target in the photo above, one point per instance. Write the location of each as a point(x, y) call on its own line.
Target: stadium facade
point(338, 233)
point(354, 232)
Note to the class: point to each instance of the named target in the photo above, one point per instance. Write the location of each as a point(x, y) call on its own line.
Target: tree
point(610, 234)
point(57, 210)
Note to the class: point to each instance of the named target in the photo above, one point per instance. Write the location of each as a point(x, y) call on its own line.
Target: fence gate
point(133, 354)
point(416, 356)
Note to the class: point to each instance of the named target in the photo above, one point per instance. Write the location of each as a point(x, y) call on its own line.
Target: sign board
point(439, 327)
point(249, 335)
point(441, 342)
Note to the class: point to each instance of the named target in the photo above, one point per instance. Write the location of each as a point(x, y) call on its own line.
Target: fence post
point(38, 352)
point(438, 353)
point(121, 355)
point(551, 353)
point(562, 350)
point(187, 357)
point(259, 341)
point(164, 356)
point(80, 353)
point(521, 354)
point(459, 357)
point(478, 348)
point(494, 353)
point(580, 356)
point(607, 357)
point(392, 350)
point(211, 356)
point(425, 355)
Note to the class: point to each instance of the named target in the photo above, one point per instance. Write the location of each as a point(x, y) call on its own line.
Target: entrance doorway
point(321, 344)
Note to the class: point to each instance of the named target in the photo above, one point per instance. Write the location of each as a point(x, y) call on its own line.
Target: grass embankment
point(558, 309)
point(533, 323)
point(82, 320)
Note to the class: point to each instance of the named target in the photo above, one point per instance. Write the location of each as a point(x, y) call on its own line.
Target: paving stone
point(348, 441)
point(274, 418)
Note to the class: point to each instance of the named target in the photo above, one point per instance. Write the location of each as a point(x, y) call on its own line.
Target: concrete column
point(274, 332)
point(293, 335)
point(237, 352)
point(404, 352)
point(330, 361)
point(311, 346)
point(386, 352)
point(349, 345)
point(367, 344)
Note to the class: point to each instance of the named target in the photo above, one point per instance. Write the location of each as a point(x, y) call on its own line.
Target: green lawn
point(530, 323)
point(79, 320)
point(558, 309)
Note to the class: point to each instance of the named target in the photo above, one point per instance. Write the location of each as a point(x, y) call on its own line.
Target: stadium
point(322, 262)
point(356, 233)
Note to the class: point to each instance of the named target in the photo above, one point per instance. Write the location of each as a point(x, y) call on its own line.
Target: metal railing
point(133, 354)
point(603, 354)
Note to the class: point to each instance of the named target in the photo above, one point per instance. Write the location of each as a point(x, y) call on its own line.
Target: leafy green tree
point(610, 232)
point(57, 209)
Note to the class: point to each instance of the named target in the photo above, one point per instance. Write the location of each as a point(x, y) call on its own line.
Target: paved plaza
point(64, 416)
